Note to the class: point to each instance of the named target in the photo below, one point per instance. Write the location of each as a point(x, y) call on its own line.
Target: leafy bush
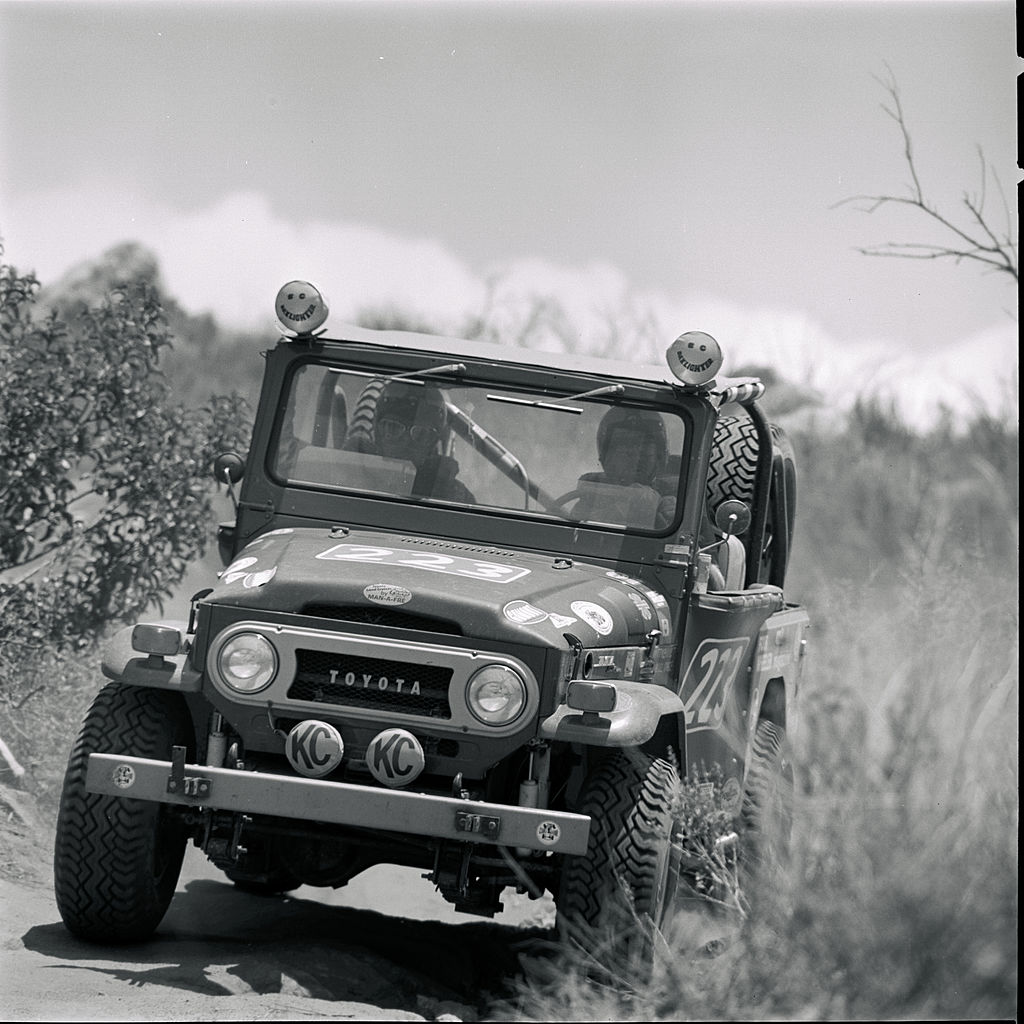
point(104, 482)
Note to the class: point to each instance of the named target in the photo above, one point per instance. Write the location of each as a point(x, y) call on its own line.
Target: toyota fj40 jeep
point(452, 634)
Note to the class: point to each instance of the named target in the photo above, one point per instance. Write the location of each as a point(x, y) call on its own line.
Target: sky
point(670, 161)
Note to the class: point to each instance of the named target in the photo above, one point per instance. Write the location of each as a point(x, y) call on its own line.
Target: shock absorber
point(216, 741)
point(533, 790)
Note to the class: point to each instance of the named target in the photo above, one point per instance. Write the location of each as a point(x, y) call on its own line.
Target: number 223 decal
point(708, 681)
point(452, 565)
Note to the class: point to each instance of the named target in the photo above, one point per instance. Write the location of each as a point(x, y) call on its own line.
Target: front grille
point(380, 616)
point(373, 683)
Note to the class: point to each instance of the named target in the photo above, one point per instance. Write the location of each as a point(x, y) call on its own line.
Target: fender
point(639, 709)
point(777, 667)
point(122, 663)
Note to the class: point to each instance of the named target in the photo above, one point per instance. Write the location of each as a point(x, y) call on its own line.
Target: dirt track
point(223, 954)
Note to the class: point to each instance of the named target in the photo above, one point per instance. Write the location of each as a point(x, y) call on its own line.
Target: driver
point(632, 448)
point(411, 424)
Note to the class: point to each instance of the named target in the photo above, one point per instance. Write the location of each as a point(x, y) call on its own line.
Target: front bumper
point(337, 803)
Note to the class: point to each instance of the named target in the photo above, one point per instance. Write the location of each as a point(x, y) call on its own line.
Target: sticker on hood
point(258, 579)
point(237, 569)
point(387, 593)
point(522, 613)
point(594, 616)
point(452, 565)
point(656, 600)
point(240, 570)
point(560, 621)
point(642, 606)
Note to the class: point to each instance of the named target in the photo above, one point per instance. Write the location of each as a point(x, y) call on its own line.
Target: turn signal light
point(584, 695)
point(153, 638)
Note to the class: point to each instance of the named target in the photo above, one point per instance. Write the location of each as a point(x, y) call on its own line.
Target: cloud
point(230, 258)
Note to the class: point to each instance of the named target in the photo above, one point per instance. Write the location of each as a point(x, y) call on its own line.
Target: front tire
point(623, 889)
point(116, 862)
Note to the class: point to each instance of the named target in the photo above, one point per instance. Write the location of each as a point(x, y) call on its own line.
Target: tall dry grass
point(899, 897)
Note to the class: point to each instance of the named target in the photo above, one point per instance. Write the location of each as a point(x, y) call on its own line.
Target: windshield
point(581, 459)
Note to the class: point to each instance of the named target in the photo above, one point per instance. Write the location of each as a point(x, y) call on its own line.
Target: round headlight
point(496, 694)
point(247, 662)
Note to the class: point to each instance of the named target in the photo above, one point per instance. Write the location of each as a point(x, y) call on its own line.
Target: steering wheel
point(558, 505)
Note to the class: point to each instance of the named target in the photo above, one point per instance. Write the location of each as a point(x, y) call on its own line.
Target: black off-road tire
point(116, 862)
point(732, 469)
point(615, 898)
point(767, 812)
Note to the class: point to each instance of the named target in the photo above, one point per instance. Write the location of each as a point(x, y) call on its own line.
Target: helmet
point(417, 406)
point(645, 421)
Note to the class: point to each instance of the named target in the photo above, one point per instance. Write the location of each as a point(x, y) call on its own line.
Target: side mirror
point(733, 517)
point(228, 467)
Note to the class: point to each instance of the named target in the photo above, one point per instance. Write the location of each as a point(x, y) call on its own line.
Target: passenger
point(632, 448)
point(411, 423)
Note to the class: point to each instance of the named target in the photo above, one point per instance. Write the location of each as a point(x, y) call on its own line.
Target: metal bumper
point(337, 803)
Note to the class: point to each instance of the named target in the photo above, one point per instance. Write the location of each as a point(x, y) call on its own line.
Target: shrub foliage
point(105, 482)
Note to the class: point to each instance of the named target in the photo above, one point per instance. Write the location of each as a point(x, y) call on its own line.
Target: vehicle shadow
point(218, 940)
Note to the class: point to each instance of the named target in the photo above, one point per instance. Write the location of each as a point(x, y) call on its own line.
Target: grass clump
point(898, 899)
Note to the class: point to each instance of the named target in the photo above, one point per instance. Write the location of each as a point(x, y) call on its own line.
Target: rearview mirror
point(228, 467)
point(732, 517)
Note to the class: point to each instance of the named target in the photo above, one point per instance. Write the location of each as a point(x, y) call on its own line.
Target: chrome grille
point(376, 684)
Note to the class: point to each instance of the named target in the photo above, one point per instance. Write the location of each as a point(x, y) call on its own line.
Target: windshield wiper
point(454, 368)
point(558, 404)
point(457, 369)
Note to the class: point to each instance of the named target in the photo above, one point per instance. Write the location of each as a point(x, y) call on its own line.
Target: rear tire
point(616, 896)
point(767, 815)
point(116, 862)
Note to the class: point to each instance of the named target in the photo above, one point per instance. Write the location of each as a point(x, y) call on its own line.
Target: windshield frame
point(522, 385)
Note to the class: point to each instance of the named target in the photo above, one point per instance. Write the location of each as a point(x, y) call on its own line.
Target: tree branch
point(981, 244)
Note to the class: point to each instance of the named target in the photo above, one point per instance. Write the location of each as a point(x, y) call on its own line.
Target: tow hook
point(180, 784)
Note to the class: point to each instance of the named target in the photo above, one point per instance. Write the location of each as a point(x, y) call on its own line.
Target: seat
point(731, 557)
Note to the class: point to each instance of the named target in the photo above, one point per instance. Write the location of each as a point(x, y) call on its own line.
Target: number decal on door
point(708, 681)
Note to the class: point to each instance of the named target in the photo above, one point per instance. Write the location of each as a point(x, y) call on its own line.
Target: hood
point(490, 593)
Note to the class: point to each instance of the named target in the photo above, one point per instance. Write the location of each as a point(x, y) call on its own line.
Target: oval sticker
point(395, 757)
point(314, 749)
point(523, 613)
point(594, 616)
point(387, 593)
point(259, 579)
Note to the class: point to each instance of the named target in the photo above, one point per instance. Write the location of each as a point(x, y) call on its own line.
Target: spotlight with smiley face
point(694, 357)
point(300, 307)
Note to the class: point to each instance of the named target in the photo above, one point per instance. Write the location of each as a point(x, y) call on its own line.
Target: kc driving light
point(496, 695)
point(247, 662)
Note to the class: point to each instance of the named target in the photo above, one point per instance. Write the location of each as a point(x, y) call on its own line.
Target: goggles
point(396, 430)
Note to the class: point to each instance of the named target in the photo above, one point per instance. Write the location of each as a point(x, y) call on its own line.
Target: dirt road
point(383, 948)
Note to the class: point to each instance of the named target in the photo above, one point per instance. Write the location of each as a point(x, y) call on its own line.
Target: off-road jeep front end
point(476, 617)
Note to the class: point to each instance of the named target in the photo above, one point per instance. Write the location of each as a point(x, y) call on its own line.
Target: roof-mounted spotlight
point(695, 358)
point(300, 308)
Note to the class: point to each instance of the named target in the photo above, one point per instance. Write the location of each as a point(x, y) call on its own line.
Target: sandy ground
point(385, 947)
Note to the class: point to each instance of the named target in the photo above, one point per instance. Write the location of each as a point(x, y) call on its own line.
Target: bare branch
point(979, 242)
